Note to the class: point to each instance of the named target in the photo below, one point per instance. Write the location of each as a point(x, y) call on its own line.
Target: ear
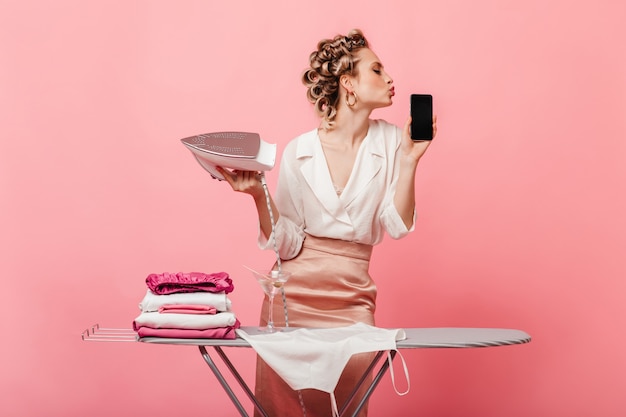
point(346, 82)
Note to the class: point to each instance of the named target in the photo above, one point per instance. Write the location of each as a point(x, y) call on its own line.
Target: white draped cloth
point(315, 358)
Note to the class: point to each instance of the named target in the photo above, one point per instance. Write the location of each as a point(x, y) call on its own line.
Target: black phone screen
point(421, 117)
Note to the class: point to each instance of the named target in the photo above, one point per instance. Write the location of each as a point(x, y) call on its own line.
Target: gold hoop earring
point(348, 98)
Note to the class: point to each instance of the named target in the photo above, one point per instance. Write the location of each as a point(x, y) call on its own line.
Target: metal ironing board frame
point(417, 338)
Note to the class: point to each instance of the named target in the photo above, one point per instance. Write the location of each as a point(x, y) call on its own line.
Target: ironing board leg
point(222, 381)
point(240, 380)
point(381, 372)
point(360, 383)
point(375, 381)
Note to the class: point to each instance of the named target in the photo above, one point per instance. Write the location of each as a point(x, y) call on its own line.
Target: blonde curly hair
point(332, 59)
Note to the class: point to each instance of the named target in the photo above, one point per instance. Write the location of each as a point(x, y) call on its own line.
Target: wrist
point(259, 197)
point(409, 162)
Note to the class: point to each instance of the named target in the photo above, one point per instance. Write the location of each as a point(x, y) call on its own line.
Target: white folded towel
point(152, 301)
point(184, 321)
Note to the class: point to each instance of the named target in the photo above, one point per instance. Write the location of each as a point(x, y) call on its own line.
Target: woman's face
point(373, 86)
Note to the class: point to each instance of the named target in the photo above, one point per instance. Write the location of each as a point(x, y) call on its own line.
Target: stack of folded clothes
point(190, 305)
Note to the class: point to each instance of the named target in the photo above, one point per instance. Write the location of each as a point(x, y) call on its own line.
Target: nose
point(389, 79)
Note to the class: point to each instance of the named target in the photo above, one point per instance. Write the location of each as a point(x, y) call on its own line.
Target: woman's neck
point(349, 128)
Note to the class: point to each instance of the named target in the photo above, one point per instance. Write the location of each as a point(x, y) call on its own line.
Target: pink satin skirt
point(330, 286)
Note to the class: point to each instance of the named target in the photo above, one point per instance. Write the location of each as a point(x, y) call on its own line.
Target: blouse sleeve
point(393, 223)
point(390, 218)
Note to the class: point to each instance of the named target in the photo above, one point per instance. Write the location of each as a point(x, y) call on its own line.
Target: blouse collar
point(315, 171)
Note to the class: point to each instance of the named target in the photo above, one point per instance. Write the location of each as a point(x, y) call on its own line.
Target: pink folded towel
point(187, 309)
point(181, 282)
point(227, 332)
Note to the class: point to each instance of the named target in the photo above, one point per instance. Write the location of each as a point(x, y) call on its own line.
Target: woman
point(340, 187)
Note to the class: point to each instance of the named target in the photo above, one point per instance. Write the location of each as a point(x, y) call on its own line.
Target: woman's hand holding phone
point(415, 149)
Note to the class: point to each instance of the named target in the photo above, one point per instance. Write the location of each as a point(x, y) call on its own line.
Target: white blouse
point(309, 203)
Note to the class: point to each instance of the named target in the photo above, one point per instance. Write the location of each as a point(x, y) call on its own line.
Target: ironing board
point(416, 338)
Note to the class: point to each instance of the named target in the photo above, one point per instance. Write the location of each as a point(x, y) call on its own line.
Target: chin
point(383, 103)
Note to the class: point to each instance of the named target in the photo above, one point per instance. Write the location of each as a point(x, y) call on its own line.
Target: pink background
point(521, 197)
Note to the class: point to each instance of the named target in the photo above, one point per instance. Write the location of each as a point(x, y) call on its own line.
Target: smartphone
point(421, 117)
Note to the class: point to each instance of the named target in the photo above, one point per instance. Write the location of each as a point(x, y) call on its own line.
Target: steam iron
point(235, 150)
